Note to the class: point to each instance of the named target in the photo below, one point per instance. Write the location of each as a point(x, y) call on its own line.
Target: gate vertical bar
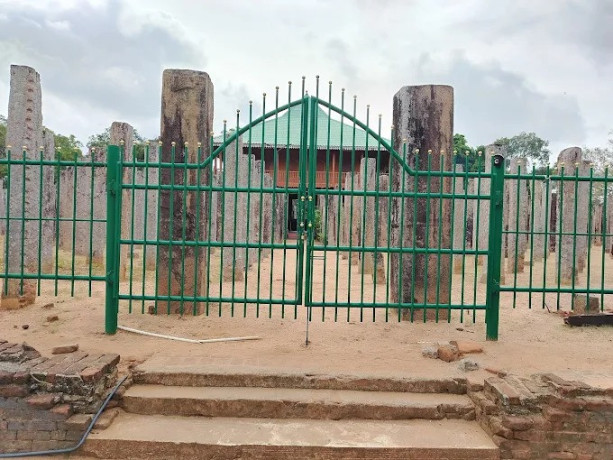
point(494, 248)
point(113, 220)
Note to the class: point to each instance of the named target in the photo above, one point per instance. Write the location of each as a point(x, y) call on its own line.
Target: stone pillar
point(2, 207)
point(609, 237)
point(330, 216)
point(352, 218)
point(570, 159)
point(383, 217)
point(367, 182)
point(150, 228)
point(25, 133)
point(540, 223)
point(423, 118)
point(459, 224)
point(236, 171)
point(267, 215)
point(583, 207)
point(187, 117)
point(517, 219)
point(597, 224)
point(122, 134)
point(50, 205)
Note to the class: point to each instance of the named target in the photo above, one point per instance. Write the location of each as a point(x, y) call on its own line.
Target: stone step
point(204, 376)
point(157, 436)
point(294, 403)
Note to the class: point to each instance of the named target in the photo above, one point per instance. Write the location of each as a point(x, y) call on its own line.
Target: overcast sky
point(537, 65)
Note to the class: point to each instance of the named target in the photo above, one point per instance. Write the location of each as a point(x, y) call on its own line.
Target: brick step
point(157, 436)
point(198, 375)
point(294, 403)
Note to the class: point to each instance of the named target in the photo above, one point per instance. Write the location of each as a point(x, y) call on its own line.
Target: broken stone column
point(583, 205)
point(25, 133)
point(482, 224)
point(352, 218)
point(570, 159)
point(517, 219)
point(459, 224)
point(150, 227)
point(267, 215)
point(236, 168)
point(2, 207)
point(383, 217)
point(187, 118)
point(540, 224)
point(597, 224)
point(122, 134)
point(367, 182)
point(423, 118)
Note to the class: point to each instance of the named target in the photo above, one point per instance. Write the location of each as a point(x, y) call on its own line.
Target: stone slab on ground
point(294, 403)
point(269, 438)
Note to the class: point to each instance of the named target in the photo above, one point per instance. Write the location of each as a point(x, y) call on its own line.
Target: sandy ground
point(531, 340)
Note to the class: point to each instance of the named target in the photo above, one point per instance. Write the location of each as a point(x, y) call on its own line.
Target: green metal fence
point(305, 210)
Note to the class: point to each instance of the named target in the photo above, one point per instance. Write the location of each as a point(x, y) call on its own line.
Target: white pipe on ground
point(183, 339)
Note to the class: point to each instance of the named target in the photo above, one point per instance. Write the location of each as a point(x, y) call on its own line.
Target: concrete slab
point(147, 436)
point(294, 403)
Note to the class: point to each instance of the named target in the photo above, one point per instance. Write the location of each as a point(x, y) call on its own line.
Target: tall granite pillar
point(122, 134)
point(50, 205)
point(236, 170)
point(383, 218)
point(540, 221)
point(583, 206)
point(25, 133)
point(459, 224)
point(518, 215)
point(150, 227)
point(367, 182)
point(568, 214)
point(423, 118)
point(187, 118)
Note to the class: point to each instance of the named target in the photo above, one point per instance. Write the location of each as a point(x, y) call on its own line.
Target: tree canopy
point(526, 145)
point(103, 139)
point(466, 155)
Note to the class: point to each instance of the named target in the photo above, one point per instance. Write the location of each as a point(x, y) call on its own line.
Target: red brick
point(91, 374)
point(78, 422)
point(517, 423)
point(6, 435)
point(561, 456)
point(42, 401)
point(556, 415)
point(503, 391)
point(13, 391)
point(448, 353)
point(63, 409)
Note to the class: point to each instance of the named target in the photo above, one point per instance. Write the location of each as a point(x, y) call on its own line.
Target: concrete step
point(177, 437)
point(205, 376)
point(294, 403)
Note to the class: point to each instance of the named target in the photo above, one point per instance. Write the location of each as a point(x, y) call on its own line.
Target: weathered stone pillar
point(236, 171)
point(150, 229)
point(518, 215)
point(423, 118)
point(383, 201)
point(25, 133)
point(2, 208)
point(583, 207)
point(540, 223)
point(187, 117)
point(50, 206)
point(597, 224)
point(267, 215)
point(570, 159)
point(459, 224)
point(122, 134)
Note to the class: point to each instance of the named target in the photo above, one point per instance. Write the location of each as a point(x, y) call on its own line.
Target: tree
point(526, 145)
point(466, 155)
point(601, 157)
point(67, 148)
point(102, 140)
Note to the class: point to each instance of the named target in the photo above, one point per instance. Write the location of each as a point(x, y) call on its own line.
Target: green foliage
point(102, 140)
point(67, 148)
point(526, 145)
point(318, 225)
point(466, 155)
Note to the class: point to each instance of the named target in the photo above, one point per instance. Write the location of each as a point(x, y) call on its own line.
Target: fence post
point(113, 222)
point(494, 248)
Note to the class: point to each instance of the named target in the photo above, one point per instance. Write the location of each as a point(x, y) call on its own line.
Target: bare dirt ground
point(531, 340)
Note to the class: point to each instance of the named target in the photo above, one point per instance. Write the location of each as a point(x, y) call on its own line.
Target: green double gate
point(303, 210)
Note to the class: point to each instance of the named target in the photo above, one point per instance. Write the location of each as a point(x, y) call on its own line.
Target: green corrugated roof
point(276, 132)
